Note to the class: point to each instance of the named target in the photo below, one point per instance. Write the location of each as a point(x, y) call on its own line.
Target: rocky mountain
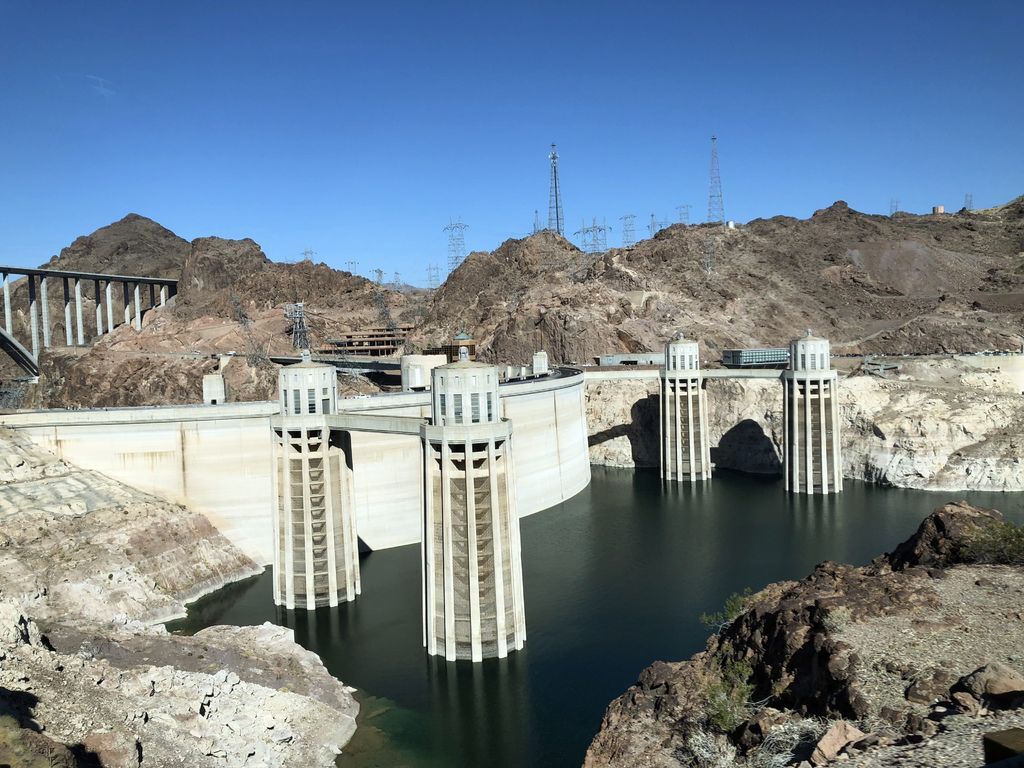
point(903, 284)
point(134, 245)
point(867, 664)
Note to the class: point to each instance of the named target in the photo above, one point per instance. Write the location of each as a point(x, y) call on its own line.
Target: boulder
point(836, 738)
point(938, 542)
point(994, 684)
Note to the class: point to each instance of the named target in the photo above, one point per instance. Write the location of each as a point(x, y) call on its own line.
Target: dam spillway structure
point(471, 557)
point(316, 554)
point(685, 447)
point(811, 457)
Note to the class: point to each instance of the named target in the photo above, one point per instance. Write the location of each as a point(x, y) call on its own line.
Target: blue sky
point(358, 129)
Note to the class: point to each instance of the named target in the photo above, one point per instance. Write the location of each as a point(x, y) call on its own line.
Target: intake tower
point(472, 564)
point(811, 458)
point(316, 556)
point(685, 449)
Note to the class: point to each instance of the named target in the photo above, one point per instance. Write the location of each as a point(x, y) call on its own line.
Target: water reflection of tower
point(472, 565)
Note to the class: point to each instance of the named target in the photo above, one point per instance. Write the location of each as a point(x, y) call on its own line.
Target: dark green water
point(614, 579)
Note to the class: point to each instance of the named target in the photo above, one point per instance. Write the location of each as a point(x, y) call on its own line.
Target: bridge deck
point(77, 275)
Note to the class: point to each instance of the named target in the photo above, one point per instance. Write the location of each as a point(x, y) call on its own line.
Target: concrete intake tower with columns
point(472, 562)
point(685, 448)
point(811, 458)
point(316, 553)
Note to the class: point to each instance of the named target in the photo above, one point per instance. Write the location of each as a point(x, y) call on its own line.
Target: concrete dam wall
point(219, 459)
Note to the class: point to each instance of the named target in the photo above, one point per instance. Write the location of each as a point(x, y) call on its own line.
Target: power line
point(556, 222)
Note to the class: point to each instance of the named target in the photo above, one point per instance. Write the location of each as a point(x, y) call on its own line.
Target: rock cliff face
point(896, 285)
point(91, 560)
point(897, 646)
point(941, 427)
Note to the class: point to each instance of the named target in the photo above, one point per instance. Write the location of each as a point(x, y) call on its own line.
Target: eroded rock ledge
point(87, 568)
point(850, 660)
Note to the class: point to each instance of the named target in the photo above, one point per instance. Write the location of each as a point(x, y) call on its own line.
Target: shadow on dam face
point(746, 448)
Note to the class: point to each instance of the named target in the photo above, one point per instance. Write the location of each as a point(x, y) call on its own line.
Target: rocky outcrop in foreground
point(84, 562)
point(850, 663)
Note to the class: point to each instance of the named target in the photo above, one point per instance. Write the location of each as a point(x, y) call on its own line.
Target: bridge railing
point(135, 303)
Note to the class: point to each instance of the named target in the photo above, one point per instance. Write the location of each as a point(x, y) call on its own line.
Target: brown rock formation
point(852, 643)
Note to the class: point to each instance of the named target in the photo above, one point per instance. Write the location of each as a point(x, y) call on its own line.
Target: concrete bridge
point(138, 295)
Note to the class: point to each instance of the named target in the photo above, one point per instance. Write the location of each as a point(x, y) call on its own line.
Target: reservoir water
point(614, 579)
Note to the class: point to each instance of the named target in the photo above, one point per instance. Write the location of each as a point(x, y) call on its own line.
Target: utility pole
point(628, 237)
point(556, 222)
point(716, 207)
point(456, 243)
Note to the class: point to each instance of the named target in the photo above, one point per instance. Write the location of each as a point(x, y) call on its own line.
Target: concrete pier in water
point(685, 448)
point(472, 562)
point(811, 458)
point(316, 553)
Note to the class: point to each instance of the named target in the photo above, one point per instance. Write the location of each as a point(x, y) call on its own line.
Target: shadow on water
point(614, 579)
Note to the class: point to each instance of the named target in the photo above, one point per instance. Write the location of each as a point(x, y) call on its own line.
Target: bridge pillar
point(316, 550)
point(109, 293)
point(97, 291)
point(43, 294)
point(67, 315)
point(127, 304)
point(138, 308)
point(811, 456)
point(8, 320)
point(33, 315)
point(79, 324)
point(163, 295)
point(472, 560)
point(685, 446)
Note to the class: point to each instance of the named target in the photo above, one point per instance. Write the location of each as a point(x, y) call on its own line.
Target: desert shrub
point(728, 695)
point(735, 604)
point(999, 543)
point(710, 751)
point(835, 619)
point(780, 745)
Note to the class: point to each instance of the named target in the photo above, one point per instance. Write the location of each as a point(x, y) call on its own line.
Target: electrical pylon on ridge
point(456, 243)
point(716, 207)
point(556, 219)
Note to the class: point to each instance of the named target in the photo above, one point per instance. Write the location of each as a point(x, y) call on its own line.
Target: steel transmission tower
point(536, 222)
point(456, 243)
point(351, 266)
point(628, 236)
point(716, 208)
point(594, 238)
point(656, 226)
point(969, 201)
point(433, 276)
point(556, 221)
point(300, 333)
point(684, 213)
point(709, 256)
point(894, 206)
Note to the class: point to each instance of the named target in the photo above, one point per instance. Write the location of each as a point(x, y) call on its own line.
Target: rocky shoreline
point(913, 655)
point(88, 675)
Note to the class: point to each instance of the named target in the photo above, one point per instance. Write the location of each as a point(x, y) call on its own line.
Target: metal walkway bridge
point(134, 303)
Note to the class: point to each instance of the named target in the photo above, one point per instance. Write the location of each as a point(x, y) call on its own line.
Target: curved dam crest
point(219, 459)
